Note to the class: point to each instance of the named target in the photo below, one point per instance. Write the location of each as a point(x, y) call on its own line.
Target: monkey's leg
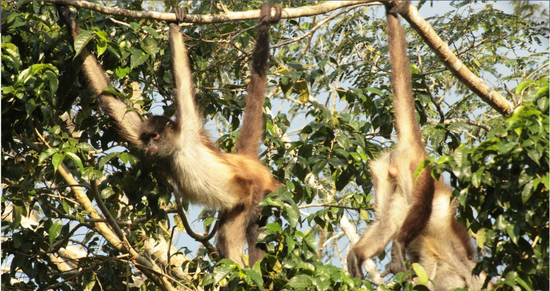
point(231, 234)
point(255, 250)
point(369, 245)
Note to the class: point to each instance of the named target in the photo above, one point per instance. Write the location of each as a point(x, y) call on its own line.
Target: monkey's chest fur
point(218, 180)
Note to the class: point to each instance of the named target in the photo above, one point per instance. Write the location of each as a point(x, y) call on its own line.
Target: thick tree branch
point(218, 18)
point(102, 228)
point(204, 239)
point(454, 64)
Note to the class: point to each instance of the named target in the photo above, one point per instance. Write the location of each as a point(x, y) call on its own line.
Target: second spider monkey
point(417, 215)
point(200, 173)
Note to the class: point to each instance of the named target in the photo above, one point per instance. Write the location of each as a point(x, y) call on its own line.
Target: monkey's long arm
point(187, 116)
point(128, 122)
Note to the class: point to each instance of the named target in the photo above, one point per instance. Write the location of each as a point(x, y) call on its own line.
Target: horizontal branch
point(218, 18)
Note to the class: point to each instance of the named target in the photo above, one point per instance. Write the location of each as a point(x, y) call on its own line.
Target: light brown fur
point(199, 171)
point(417, 215)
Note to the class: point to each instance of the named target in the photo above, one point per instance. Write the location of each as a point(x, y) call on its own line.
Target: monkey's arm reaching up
point(187, 115)
point(128, 122)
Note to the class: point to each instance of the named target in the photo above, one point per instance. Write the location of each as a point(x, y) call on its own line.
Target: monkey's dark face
point(155, 135)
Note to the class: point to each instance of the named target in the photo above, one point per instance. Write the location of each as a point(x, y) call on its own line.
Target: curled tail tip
point(265, 13)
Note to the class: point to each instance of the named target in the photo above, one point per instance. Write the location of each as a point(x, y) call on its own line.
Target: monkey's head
point(156, 134)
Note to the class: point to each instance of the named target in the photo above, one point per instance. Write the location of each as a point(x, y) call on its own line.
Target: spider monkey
point(417, 215)
point(200, 173)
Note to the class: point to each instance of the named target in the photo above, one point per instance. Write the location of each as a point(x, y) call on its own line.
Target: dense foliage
point(328, 113)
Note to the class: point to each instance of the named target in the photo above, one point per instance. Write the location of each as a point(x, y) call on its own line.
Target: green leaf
point(272, 202)
point(77, 160)
point(66, 207)
point(150, 46)
point(305, 266)
point(54, 231)
point(86, 147)
point(103, 160)
point(53, 80)
point(221, 272)
point(290, 243)
point(523, 86)
point(275, 227)
point(300, 282)
point(318, 167)
point(375, 91)
point(179, 223)
point(420, 273)
point(364, 215)
point(535, 155)
point(46, 154)
point(254, 276)
point(302, 89)
point(513, 232)
point(481, 236)
point(57, 160)
point(137, 58)
point(108, 192)
point(101, 47)
point(476, 178)
point(82, 40)
point(17, 210)
point(527, 192)
point(507, 147)
point(526, 285)
point(292, 215)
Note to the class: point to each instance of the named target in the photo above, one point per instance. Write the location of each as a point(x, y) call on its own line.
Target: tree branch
point(141, 262)
point(454, 64)
point(204, 239)
point(218, 18)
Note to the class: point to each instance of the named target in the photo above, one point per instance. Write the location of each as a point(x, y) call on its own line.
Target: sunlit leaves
point(509, 168)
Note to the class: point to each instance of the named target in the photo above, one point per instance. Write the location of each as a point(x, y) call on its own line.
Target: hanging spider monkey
point(417, 215)
point(200, 173)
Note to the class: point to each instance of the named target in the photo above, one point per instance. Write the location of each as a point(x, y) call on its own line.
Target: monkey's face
point(156, 135)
